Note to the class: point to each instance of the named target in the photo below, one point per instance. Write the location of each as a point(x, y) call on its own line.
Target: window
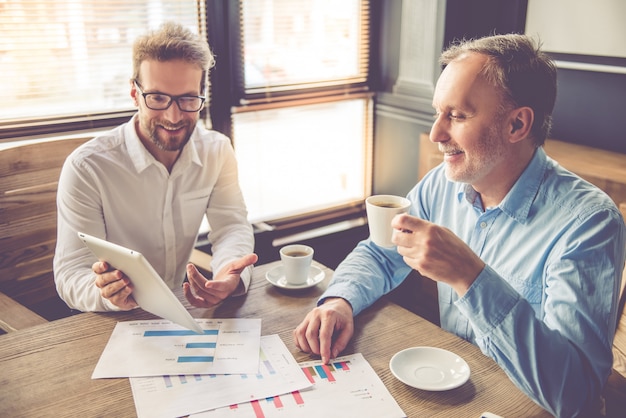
point(68, 62)
point(301, 114)
point(303, 158)
point(290, 86)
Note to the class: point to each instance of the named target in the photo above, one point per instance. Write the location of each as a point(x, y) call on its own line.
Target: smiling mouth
point(171, 128)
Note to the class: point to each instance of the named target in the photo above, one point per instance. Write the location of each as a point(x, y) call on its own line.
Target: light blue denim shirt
point(544, 307)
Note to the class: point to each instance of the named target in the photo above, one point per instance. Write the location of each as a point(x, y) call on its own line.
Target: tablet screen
point(149, 290)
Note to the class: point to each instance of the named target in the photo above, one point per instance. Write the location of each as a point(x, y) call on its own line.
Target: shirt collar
point(141, 157)
point(519, 199)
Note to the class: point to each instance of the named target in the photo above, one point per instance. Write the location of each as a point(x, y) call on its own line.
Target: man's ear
point(134, 93)
point(520, 122)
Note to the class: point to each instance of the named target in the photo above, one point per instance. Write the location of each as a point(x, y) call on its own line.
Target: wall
point(589, 107)
point(591, 64)
point(411, 38)
point(603, 22)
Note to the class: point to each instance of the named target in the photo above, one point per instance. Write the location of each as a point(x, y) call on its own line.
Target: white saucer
point(276, 276)
point(429, 368)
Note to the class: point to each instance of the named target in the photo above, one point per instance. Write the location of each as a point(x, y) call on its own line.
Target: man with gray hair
point(527, 256)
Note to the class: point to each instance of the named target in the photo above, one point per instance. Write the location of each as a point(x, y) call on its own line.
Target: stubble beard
point(485, 155)
point(166, 141)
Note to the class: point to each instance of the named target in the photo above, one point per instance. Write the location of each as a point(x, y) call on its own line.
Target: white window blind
point(72, 58)
point(304, 44)
point(302, 130)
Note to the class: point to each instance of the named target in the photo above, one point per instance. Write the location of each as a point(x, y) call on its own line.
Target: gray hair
point(517, 67)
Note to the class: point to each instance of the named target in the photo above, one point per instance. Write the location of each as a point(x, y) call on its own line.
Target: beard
point(484, 155)
point(169, 137)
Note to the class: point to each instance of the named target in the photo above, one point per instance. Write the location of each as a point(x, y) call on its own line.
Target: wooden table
point(46, 370)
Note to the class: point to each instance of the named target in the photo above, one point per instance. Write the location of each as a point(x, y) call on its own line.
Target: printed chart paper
point(174, 396)
point(347, 387)
point(159, 347)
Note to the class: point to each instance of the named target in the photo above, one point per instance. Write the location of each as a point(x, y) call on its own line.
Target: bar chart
point(158, 347)
point(348, 384)
point(266, 370)
point(204, 346)
point(179, 395)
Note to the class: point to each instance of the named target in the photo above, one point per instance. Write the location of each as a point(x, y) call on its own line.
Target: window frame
point(228, 93)
point(219, 20)
point(228, 98)
point(66, 125)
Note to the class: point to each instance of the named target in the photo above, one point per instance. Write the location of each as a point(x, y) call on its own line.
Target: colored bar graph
point(325, 372)
point(341, 388)
point(320, 371)
point(258, 411)
point(307, 372)
point(278, 403)
point(329, 375)
point(267, 363)
point(195, 359)
point(343, 365)
point(296, 395)
point(200, 345)
point(168, 381)
point(269, 367)
point(183, 379)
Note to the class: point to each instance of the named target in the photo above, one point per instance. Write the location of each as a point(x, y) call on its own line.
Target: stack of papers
point(231, 370)
point(348, 387)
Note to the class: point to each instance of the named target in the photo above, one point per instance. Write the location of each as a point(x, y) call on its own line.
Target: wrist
point(338, 303)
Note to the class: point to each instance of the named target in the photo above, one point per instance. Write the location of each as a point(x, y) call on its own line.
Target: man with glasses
point(148, 183)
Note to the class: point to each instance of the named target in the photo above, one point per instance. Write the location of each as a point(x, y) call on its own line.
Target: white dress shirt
point(113, 188)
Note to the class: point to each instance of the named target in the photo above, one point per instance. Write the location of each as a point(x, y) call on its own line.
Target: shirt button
point(483, 225)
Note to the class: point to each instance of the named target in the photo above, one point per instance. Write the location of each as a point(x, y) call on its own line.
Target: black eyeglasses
point(162, 101)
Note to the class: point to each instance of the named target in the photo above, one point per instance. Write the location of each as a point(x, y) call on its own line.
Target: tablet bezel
point(149, 290)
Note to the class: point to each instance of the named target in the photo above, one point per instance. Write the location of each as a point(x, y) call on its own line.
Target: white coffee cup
point(296, 259)
point(380, 211)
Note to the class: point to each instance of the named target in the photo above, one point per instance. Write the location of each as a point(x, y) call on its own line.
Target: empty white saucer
point(276, 276)
point(429, 368)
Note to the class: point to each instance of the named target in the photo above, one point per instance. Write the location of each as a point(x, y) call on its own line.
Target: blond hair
point(172, 41)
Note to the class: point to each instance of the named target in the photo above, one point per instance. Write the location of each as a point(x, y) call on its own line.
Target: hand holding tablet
point(149, 290)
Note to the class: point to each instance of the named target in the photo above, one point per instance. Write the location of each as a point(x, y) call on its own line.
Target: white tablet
point(149, 290)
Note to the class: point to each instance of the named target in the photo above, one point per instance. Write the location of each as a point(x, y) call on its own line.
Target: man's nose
point(439, 130)
point(173, 114)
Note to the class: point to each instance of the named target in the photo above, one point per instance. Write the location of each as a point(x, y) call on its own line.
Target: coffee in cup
point(296, 259)
point(380, 211)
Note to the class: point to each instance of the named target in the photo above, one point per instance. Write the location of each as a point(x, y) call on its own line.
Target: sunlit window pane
point(73, 57)
point(298, 159)
point(300, 42)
